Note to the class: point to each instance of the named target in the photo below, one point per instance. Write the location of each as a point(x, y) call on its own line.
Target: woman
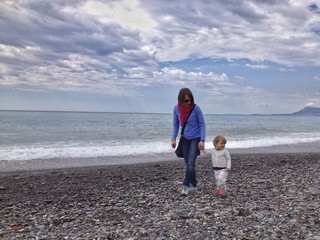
point(193, 137)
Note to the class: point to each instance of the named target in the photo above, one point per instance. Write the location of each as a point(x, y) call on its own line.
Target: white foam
point(293, 138)
point(63, 150)
point(104, 149)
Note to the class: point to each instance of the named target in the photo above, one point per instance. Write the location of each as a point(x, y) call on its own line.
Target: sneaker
point(223, 192)
point(192, 188)
point(184, 190)
point(216, 193)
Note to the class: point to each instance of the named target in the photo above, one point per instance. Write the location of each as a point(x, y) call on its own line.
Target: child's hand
point(228, 169)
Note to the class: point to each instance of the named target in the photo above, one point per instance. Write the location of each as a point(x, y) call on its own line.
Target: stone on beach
point(270, 196)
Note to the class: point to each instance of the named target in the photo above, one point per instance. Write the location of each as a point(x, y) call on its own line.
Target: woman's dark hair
point(185, 92)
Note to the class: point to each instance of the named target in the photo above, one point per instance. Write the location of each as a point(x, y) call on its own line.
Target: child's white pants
point(221, 178)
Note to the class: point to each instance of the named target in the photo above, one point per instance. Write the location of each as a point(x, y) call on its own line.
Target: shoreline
point(62, 163)
point(270, 196)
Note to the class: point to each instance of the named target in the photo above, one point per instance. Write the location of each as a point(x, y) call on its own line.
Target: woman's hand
point(173, 143)
point(201, 145)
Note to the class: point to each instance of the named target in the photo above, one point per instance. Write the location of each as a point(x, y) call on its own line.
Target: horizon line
point(83, 111)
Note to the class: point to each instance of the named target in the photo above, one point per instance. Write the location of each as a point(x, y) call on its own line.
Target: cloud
point(264, 104)
point(126, 48)
point(310, 104)
point(261, 66)
point(286, 70)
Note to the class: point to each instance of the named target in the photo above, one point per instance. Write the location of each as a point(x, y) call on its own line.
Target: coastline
point(63, 163)
point(270, 196)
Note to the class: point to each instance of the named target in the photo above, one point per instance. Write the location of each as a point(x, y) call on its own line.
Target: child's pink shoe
point(216, 193)
point(223, 192)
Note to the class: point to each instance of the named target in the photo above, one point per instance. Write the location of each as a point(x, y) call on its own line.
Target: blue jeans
point(190, 152)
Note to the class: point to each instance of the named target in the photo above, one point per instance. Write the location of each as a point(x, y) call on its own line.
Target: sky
point(236, 56)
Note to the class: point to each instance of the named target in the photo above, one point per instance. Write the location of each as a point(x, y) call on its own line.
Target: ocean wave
point(105, 149)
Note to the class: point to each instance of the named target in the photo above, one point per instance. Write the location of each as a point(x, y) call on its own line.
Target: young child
point(221, 164)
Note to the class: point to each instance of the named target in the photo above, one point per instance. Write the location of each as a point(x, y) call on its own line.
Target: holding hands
point(201, 145)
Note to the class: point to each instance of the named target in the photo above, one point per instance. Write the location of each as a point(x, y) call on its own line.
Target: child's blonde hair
point(218, 139)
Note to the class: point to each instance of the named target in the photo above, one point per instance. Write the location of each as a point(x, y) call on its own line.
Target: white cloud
point(286, 70)
point(128, 13)
point(261, 66)
point(264, 104)
point(126, 48)
point(310, 104)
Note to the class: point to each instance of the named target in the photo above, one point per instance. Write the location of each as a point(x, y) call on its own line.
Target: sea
point(29, 135)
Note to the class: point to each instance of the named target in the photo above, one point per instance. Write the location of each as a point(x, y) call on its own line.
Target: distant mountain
point(311, 111)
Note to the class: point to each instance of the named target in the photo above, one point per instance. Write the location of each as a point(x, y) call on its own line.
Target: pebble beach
point(270, 196)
